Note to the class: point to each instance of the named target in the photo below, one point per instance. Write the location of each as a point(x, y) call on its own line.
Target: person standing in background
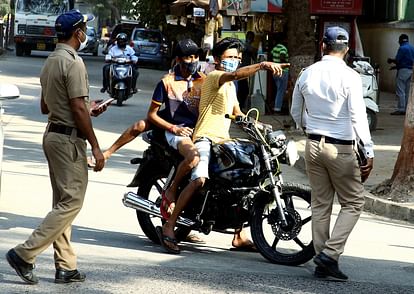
point(249, 56)
point(280, 55)
point(404, 64)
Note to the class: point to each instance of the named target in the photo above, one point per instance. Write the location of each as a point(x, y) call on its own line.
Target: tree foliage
point(4, 7)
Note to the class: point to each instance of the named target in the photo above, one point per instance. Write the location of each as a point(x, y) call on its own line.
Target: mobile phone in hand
point(106, 102)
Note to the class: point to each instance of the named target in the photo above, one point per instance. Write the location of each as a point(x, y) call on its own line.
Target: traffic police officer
point(327, 101)
point(65, 98)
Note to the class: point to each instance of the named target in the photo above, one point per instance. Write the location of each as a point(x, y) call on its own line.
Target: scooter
point(120, 80)
point(369, 77)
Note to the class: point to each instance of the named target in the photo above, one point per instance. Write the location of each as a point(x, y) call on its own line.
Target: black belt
point(61, 129)
point(330, 140)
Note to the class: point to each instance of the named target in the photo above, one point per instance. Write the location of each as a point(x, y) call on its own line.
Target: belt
point(330, 140)
point(61, 129)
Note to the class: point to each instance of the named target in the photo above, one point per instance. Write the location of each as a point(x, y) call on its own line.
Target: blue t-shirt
point(179, 97)
point(405, 56)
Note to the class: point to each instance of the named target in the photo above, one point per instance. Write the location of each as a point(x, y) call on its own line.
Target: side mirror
point(9, 91)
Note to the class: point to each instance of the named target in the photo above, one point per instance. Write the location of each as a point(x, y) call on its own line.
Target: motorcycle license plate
point(41, 46)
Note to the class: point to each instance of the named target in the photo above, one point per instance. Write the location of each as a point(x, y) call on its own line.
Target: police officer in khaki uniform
point(65, 98)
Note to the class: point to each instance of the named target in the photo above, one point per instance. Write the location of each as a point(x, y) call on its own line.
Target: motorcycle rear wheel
point(291, 245)
point(151, 189)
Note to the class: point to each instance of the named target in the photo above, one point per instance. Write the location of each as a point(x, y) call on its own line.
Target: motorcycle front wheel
point(120, 97)
point(290, 245)
point(151, 189)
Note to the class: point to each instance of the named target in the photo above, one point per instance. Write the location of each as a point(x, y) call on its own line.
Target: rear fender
point(149, 165)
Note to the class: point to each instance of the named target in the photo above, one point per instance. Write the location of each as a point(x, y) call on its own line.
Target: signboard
point(237, 7)
point(199, 12)
point(266, 6)
point(342, 7)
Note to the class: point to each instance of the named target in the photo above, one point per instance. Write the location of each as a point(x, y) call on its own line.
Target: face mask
point(84, 43)
point(191, 67)
point(230, 64)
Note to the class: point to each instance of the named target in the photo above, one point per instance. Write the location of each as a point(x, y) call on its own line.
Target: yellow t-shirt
point(215, 102)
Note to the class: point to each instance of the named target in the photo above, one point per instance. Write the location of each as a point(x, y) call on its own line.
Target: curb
point(376, 205)
point(386, 208)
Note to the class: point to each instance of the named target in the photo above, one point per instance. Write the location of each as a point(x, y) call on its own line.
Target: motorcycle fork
point(275, 189)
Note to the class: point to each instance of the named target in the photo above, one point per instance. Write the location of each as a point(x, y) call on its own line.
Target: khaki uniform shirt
point(63, 77)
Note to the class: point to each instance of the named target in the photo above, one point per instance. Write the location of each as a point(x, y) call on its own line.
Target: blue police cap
point(66, 22)
point(336, 35)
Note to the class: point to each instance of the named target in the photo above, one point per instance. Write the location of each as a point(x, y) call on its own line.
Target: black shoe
point(135, 90)
point(67, 276)
point(22, 268)
point(330, 265)
point(320, 272)
point(398, 112)
point(103, 90)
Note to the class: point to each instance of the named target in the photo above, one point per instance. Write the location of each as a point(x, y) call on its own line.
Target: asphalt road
point(115, 254)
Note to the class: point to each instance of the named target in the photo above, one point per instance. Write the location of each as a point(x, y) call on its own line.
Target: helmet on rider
point(121, 40)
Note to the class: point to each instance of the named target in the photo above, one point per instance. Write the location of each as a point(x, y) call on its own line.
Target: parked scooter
point(120, 80)
point(369, 77)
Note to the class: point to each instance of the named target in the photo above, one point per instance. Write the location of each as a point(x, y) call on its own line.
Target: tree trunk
point(301, 36)
point(402, 180)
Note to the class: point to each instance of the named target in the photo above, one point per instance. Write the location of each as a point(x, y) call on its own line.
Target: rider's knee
point(191, 160)
point(198, 183)
point(139, 127)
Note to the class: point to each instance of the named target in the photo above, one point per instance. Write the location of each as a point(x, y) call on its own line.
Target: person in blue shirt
point(121, 49)
point(404, 64)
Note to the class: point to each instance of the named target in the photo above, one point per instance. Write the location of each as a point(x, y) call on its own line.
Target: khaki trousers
point(333, 168)
point(66, 156)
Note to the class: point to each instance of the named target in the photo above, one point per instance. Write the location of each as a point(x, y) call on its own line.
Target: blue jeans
point(403, 87)
point(281, 86)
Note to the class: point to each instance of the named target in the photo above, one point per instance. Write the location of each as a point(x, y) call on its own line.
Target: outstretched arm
point(247, 71)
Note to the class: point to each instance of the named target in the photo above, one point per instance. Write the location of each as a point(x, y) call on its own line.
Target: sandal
point(174, 249)
point(166, 207)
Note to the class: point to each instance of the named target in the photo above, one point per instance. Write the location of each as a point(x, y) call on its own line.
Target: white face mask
point(230, 64)
point(84, 43)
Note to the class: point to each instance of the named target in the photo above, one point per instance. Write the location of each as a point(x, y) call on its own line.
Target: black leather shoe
point(22, 268)
point(398, 112)
point(330, 265)
point(320, 272)
point(68, 276)
point(103, 90)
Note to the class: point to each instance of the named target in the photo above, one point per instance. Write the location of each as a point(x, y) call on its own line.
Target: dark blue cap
point(67, 21)
point(336, 35)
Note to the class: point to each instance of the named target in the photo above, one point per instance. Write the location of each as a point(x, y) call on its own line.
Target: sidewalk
point(387, 141)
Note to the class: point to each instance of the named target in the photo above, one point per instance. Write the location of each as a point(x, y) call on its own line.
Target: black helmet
point(121, 40)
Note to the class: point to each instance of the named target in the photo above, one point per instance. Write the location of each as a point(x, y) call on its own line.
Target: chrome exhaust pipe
point(136, 202)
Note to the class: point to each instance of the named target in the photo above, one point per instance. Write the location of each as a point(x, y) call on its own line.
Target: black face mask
point(190, 67)
point(122, 45)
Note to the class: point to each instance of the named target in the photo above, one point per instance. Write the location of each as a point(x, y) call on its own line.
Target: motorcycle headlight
point(291, 153)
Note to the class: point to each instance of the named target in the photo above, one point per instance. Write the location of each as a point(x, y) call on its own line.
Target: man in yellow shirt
point(218, 97)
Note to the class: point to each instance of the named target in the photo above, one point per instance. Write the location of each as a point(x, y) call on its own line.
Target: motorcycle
point(245, 189)
point(120, 80)
point(369, 77)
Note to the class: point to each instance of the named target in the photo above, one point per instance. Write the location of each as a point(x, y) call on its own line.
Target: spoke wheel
point(289, 245)
point(151, 189)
